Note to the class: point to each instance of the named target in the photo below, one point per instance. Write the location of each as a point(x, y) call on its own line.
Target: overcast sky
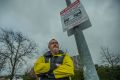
point(40, 20)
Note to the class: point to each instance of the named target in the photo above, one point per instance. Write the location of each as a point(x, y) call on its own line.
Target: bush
point(78, 75)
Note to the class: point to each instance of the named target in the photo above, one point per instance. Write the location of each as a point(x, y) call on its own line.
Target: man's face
point(53, 46)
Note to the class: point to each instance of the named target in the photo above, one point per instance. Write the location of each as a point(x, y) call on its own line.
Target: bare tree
point(109, 57)
point(14, 47)
point(30, 74)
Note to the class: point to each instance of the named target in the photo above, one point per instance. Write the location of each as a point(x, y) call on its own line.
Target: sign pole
point(89, 70)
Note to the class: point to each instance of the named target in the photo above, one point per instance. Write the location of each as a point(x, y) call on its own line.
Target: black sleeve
point(52, 67)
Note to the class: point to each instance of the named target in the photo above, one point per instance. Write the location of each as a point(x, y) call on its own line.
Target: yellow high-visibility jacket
point(66, 69)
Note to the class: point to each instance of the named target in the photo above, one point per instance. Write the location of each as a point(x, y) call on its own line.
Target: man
point(54, 64)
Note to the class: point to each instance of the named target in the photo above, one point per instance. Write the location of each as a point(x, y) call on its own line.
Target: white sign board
point(73, 15)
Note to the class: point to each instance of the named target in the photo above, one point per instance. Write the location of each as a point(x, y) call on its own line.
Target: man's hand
point(58, 64)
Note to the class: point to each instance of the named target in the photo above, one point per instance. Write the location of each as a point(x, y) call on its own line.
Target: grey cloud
point(40, 19)
point(36, 12)
point(105, 30)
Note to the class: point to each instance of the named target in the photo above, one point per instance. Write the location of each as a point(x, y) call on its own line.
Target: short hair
point(50, 41)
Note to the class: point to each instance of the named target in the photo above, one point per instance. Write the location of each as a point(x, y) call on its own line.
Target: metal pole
point(68, 2)
point(89, 70)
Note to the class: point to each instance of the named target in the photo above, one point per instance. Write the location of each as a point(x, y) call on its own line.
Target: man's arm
point(40, 66)
point(66, 69)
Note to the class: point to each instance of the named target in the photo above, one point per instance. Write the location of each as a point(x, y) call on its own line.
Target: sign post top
point(69, 7)
point(73, 15)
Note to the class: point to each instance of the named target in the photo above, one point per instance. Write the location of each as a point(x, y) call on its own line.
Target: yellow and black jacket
point(45, 66)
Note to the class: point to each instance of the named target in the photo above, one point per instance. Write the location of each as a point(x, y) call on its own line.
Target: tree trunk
point(13, 71)
point(12, 74)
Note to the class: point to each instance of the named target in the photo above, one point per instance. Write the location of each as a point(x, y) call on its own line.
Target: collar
point(48, 53)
